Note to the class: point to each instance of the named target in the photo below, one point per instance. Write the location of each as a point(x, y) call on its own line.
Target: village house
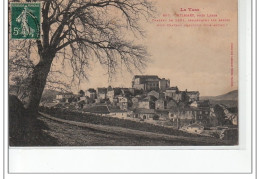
point(171, 104)
point(80, 104)
point(89, 100)
point(59, 96)
point(203, 111)
point(91, 93)
point(123, 102)
point(135, 101)
point(144, 114)
point(162, 114)
point(65, 97)
point(154, 93)
point(160, 104)
point(82, 98)
point(118, 113)
point(146, 103)
point(81, 93)
point(102, 93)
point(170, 92)
point(200, 104)
point(203, 115)
point(114, 102)
point(178, 97)
point(126, 92)
point(132, 91)
point(164, 84)
point(182, 117)
point(193, 128)
point(151, 98)
point(182, 114)
point(174, 93)
point(112, 92)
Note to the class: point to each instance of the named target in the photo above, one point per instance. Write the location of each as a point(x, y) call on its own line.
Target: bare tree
point(78, 31)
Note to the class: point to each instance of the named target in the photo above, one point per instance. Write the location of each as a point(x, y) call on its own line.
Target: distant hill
point(232, 95)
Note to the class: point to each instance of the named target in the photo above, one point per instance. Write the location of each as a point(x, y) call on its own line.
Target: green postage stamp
point(25, 20)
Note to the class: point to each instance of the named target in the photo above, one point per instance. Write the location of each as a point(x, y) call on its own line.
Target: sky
point(193, 58)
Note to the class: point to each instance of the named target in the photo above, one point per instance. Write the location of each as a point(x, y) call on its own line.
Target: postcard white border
point(165, 160)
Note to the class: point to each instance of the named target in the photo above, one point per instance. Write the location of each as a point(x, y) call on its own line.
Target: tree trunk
point(37, 84)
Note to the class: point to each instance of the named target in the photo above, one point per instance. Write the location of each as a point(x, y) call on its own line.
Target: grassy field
point(79, 129)
point(72, 133)
point(110, 121)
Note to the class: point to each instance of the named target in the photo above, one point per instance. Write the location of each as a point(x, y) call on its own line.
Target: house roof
point(109, 88)
point(162, 111)
point(153, 91)
point(140, 96)
point(159, 100)
point(144, 111)
point(137, 97)
point(116, 90)
point(146, 76)
point(171, 101)
point(102, 90)
point(82, 102)
point(150, 98)
point(121, 96)
point(173, 88)
point(91, 90)
point(144, 100)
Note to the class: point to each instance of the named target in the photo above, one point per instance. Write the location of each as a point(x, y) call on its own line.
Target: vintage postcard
point(123, 73)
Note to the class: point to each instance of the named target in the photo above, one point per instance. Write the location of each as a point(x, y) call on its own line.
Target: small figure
point(23, 19)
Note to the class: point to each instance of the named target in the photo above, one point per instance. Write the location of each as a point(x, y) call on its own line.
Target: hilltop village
point(149, 99)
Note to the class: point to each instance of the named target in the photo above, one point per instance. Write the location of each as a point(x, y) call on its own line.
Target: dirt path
point(72, 133)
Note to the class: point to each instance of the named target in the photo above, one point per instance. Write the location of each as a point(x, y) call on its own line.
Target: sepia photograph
point(123, 73)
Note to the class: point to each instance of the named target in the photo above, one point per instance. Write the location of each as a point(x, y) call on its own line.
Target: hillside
point(77, 133)
point(232, 95)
